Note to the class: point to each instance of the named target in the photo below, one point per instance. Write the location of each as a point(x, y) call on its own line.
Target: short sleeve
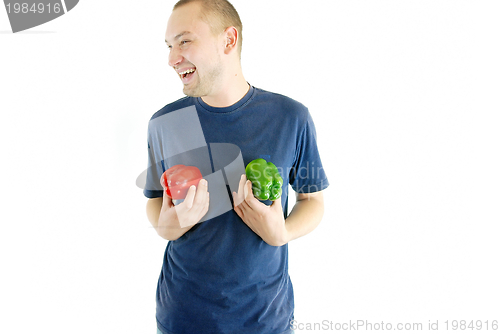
point(307, 174)
point(153, 187)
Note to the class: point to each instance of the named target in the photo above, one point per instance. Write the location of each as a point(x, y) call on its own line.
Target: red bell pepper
point(177, 179)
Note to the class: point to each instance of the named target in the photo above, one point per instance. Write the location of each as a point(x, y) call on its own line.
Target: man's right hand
point(172, 221)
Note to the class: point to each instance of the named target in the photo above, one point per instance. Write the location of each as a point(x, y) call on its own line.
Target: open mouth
point(187, 74)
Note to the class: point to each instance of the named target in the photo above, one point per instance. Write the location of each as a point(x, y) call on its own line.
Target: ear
point(231, 37)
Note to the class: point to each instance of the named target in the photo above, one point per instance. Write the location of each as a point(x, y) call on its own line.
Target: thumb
point(167, 200)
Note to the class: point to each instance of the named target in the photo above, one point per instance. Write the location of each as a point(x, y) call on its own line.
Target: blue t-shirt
point(220, 277)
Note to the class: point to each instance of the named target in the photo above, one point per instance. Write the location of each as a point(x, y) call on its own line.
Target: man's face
point(194, 53)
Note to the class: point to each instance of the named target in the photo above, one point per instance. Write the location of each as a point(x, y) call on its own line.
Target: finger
point(201, 203)
point(245, 207)
point(239, 196)
point(188, 201)
point(248, 191)
point(237, 208)
point(243, 179)
point(242, 207)
point(207, 204)
point(201, 194)
point(250, 199)
point(204, 209)
point(241, 185)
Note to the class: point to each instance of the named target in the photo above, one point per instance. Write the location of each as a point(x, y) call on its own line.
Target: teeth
point(188, 71)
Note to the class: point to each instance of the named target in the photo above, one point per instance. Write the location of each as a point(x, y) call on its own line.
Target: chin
point(193, 92)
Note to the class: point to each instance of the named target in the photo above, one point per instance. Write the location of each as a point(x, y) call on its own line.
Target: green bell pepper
point(266, 179)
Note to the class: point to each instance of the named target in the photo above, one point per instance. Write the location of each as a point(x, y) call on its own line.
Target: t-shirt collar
point(230, 108)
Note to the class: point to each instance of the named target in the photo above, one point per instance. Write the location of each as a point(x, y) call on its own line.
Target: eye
point(184, 42)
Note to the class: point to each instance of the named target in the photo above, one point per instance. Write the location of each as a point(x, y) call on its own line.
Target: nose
point(174, 56)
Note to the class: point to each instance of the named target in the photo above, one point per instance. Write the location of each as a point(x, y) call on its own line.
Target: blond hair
point(219, 15)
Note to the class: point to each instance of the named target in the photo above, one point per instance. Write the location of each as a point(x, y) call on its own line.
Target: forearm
point(305, 216)
point(153, 209)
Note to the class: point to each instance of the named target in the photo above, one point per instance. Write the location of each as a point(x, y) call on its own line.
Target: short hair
point(219, 15)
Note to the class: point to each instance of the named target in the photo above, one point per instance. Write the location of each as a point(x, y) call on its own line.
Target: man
point(229, 273)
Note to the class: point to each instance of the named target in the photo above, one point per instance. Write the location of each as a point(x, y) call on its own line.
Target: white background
point(405, 98)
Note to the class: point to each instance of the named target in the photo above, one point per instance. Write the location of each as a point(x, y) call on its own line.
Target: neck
point(231, 91)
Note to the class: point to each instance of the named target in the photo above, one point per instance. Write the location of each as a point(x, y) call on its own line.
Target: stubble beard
point(206, 83)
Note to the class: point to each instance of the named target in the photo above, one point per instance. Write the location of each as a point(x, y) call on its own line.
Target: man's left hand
point(266, 221)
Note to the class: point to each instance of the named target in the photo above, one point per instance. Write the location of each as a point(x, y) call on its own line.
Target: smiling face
point(194, 51)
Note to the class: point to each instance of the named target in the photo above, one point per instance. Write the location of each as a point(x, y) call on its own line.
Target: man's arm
point(306, 214)
point(168, 219)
